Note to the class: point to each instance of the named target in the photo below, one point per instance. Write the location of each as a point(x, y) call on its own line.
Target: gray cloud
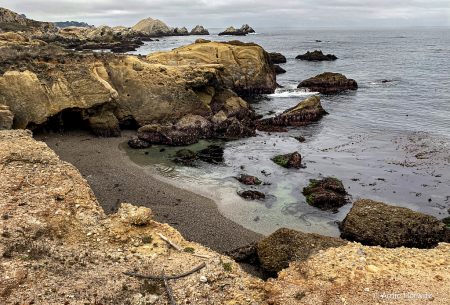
point(290, 13)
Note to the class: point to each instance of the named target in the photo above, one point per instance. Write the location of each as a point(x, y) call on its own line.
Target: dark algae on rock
point(316, 55)
point(326, 194)
point(252, 195)
point(249, 180)
point(289, 160)
point(376, 223)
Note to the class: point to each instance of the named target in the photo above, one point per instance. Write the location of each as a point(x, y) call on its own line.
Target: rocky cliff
point(11, 21)
point(244, 68)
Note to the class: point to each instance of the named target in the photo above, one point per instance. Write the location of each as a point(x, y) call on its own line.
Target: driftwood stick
point(170, 242)
point(166, 283)
point(30, 183)
point(152, 277)
point(202, 256)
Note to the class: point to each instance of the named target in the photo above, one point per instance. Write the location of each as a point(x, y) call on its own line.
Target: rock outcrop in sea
point(277, 58)
point(199, 30)
point(376, 223)
point(316, 55)
point(326, 194)
point(242, 67)
point(244, 30)
point(329, 82)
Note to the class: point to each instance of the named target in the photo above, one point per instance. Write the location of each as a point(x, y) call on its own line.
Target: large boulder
point(199, 30)
point(328, 82)
point(277, 58)
point(153, 27)
point(242, 67)
point(308, 110)
point(316, 55)
point(276, 251)
point(6, 118)
point(376, 223)
point(326, 194)
point(180, 32)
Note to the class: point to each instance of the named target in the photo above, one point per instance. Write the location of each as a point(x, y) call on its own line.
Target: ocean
point(387, 141)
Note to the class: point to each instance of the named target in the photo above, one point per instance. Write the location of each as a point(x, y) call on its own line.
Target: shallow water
point(369, 140)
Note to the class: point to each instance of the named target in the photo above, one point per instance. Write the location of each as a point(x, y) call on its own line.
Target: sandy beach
point(115, 180)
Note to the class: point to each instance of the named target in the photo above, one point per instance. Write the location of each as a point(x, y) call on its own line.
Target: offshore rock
point(6, 118)
point(329, 82)
point(180, 32)
point(278, 69)
point(153, 28)
point(277, 58)
point(244, 68)
point(244, 30)
point(138, 143)
point(199, 30)
point(326, 194)
point(289, 160)
point(276, 251)
point(135, 215)
point(308, 110)
point(316, 55)
point(376, 223)
point(252, 195)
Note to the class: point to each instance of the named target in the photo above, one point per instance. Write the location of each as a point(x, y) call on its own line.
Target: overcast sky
point(224, 13)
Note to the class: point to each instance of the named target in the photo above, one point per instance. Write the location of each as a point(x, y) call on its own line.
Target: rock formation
point(376, 223)
point(242, 67)
point(326, 194)
point(6, 118)
point(153, 27)
point(65, 24)
point(278, 69)
point(180, 32)
point(329, 82)
point(276, 251)
point(277, 58)
point(316, 55)
point(308, 110)
point(244, 30)
point(11, 21)
point(289, 160)
point(199, 30)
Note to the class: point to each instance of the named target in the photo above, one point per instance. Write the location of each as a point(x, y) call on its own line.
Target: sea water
point(386, 141)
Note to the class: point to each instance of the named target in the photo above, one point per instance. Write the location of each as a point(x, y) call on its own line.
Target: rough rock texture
point(278, 69)
point(276, 251)
point(138, 143)
point(199, 30)
point(376, 223)
point(180, 32)
point(308, 110)
point(328, 193)
point(289, 160)
point(201, 40)
point(152, 27)
point(316, 55)
point(11, 21)
point(7, 16)
point(135, 215)
point(51, 220)
point(248, 180)
point(253, 195)
point(277, 58)
point(242, 67)
point(6, 118)
point(328, 82)
point(245, 28)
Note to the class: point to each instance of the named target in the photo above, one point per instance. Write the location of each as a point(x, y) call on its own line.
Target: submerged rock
point(308, 110)
point(253, 195)
point(138, 143)
point(276, 251)
point(277, 58)
point(249, 180)
point(329, 82)
point(211, 154)
point(185, 157)
point(316, 55)
point(289, 160)
point(328, 193)
point(376, 223)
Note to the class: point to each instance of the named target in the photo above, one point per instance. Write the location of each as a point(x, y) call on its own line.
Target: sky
point(225, 13)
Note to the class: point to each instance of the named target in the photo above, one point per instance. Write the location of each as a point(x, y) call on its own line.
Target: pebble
point(366, 289)
point(203, 279)
point(241, 287)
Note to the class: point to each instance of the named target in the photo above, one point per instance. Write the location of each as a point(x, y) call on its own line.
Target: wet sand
point(115, 180)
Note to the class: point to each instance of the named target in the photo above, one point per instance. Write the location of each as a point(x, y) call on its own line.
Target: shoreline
point(115, 179)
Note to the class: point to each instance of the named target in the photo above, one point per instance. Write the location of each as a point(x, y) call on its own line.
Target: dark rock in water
point(326, 194)
point(244, 30)
point(211, 154)
point(316, 55)
point(199, 30)
point(138, 143)
point(277, 58)
point(252, 195)
point(300, 139)
point(276, 251)
point(278, 69)
point(249, 180)
point(446, 221)
point(376, 223)
point(185, 157)
point(308, 110)
point(385, 81)
point(289, 160)
point(329, 82)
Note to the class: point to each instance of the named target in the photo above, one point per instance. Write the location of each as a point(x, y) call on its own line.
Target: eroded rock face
point(329, 83)
point(135, 215)
point(6, 118)
point(316, 55)
point(308, 110)
point(277, 58)
point(242, 67)
point(276, 251)
point(199, 30)
point(376, 223)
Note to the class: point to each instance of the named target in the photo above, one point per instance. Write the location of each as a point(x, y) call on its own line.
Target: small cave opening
point(65, 121)
point(130, 124)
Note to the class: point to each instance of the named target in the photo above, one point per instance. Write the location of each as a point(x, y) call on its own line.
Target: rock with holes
point(135, 215)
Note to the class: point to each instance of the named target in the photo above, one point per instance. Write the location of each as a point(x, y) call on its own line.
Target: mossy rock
point(328, 193)
point(289, 160)
point(252, 195)
point(249, 180)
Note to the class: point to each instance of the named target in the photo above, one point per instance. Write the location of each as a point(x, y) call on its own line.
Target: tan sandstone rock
point(135, 215)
